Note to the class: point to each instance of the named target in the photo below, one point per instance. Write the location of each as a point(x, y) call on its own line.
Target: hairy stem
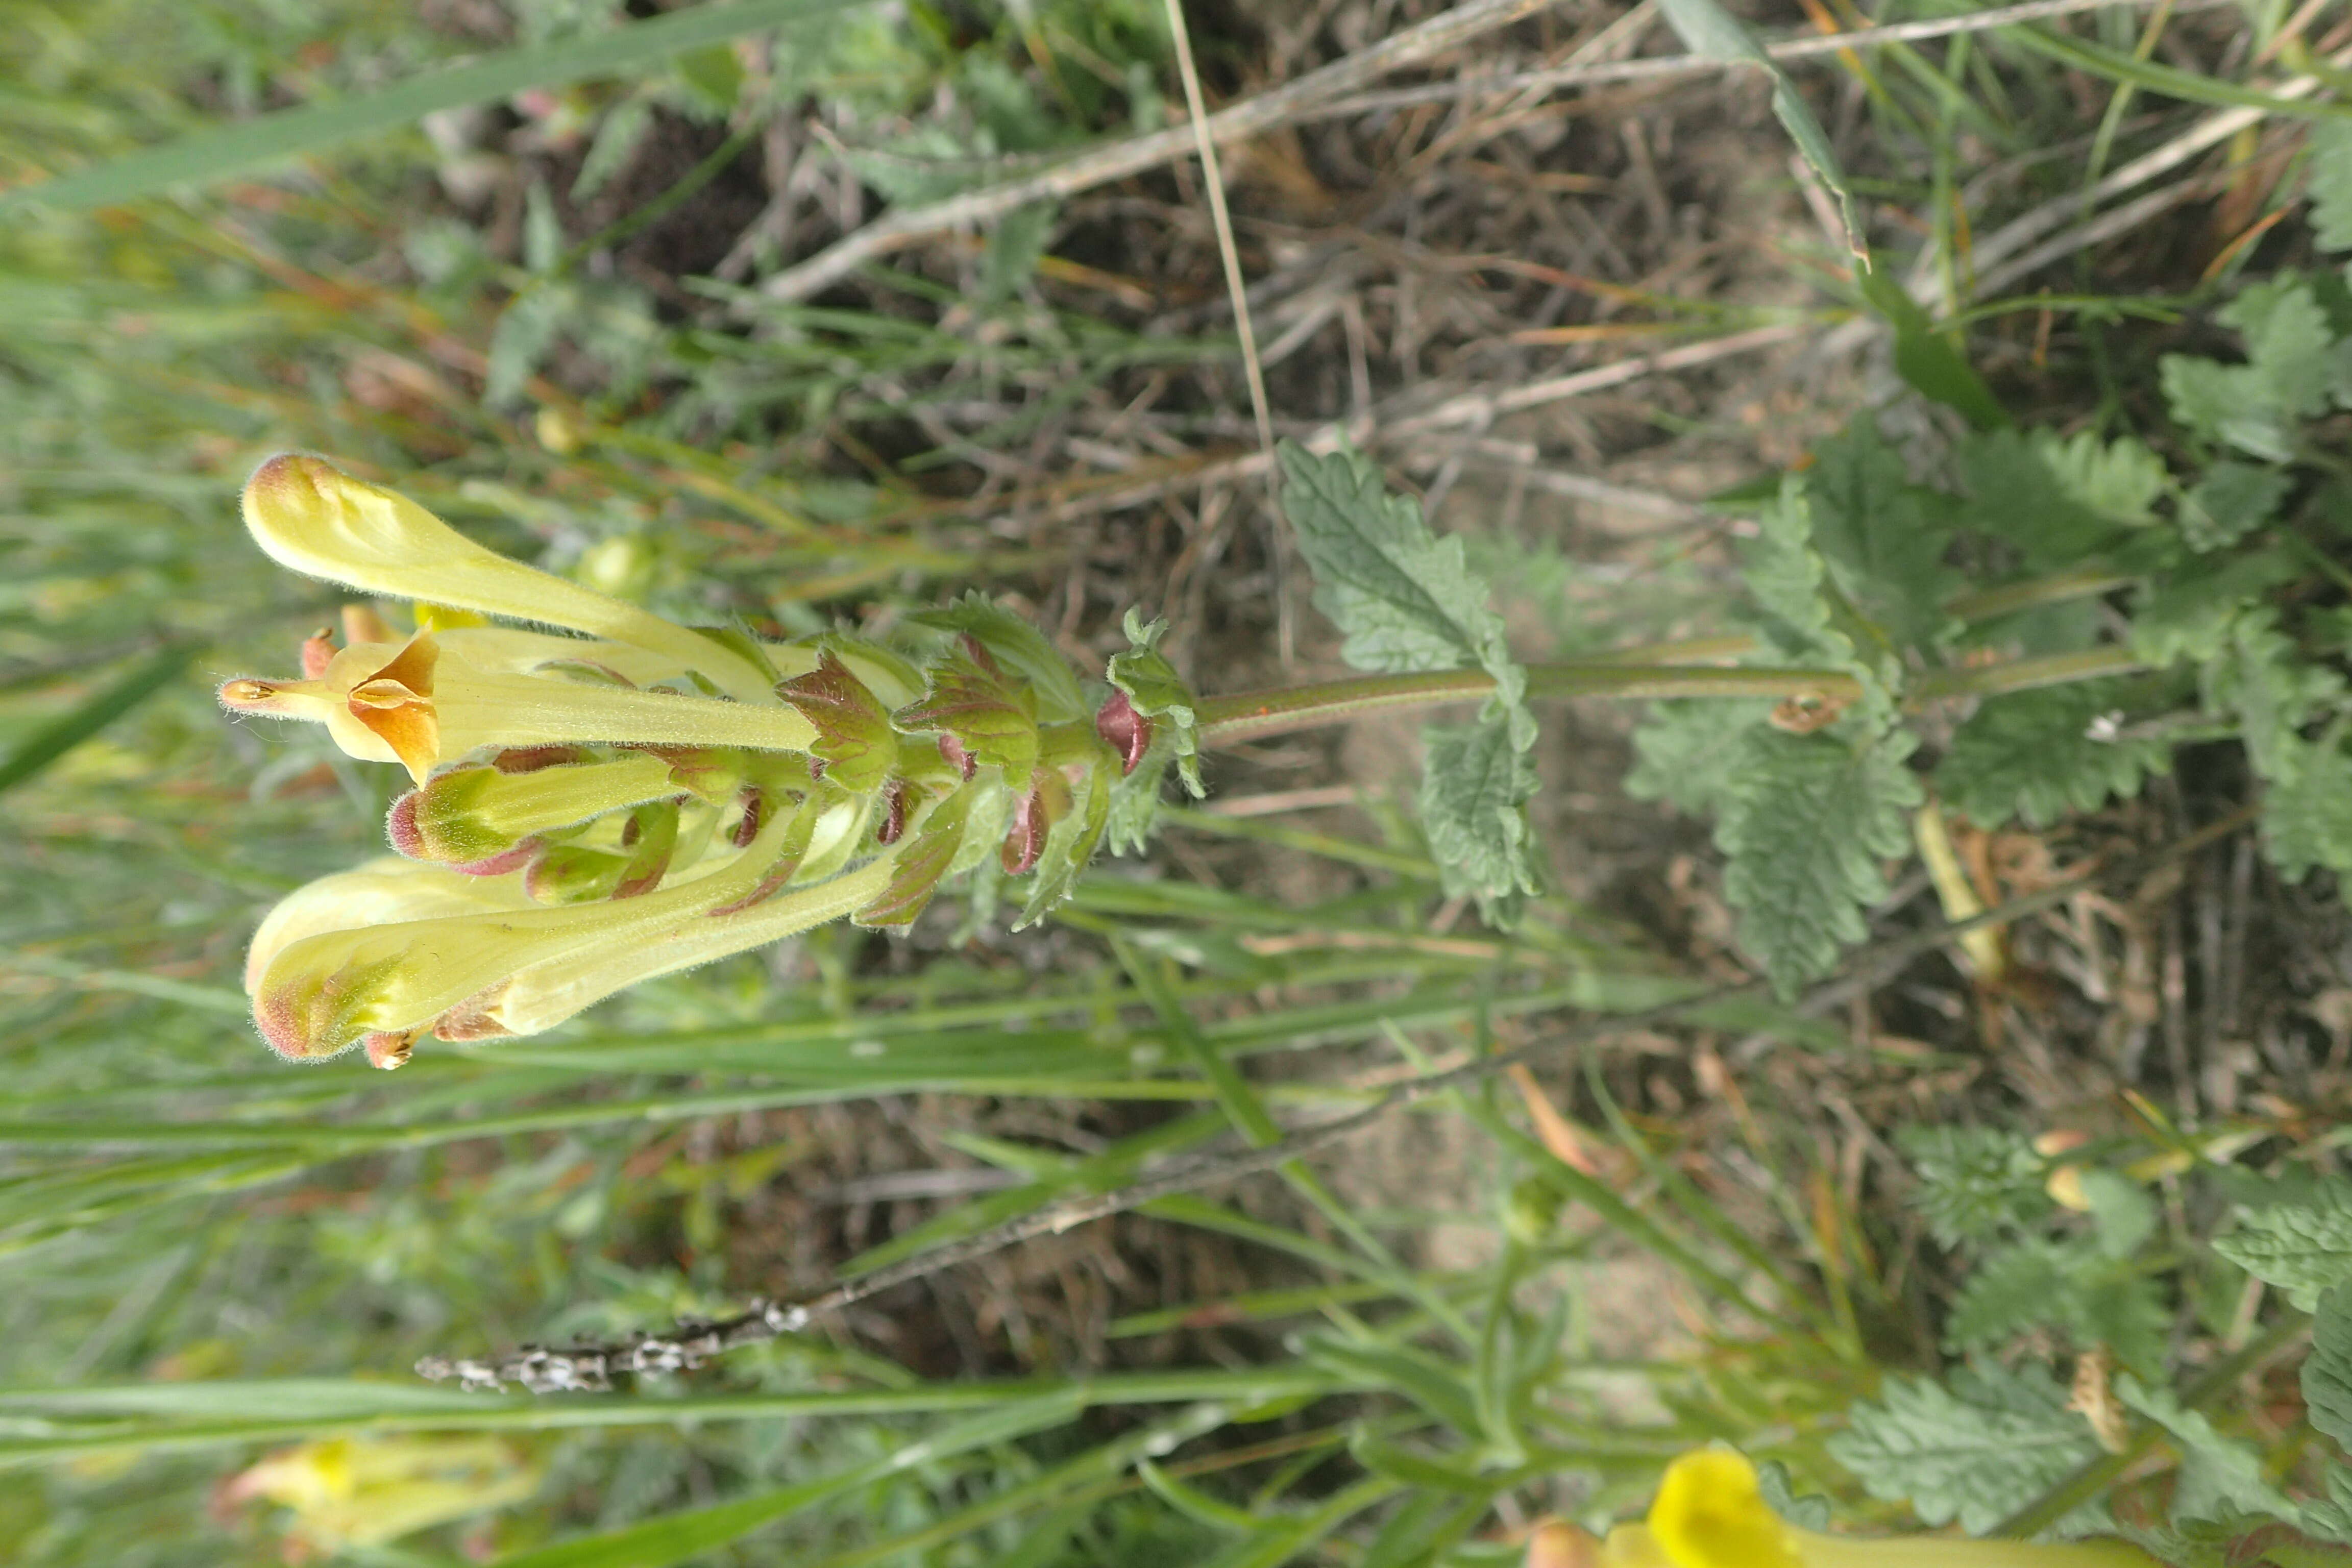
point(1250, 715)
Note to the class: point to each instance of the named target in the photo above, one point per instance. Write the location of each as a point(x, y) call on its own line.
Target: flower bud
point(1124, 730)
point(1148, 693)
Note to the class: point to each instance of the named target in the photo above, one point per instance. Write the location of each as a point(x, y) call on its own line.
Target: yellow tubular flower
point(320, 993)
point(1709, 1513)
point(312, 517)
point(425, 703)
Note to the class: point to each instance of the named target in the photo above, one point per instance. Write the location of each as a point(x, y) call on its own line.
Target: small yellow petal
point(395, 704)
point(442, 618)
point(1710, 1514)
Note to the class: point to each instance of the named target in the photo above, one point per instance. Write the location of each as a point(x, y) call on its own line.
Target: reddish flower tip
point(400, 827)
point(1026, 841)
point(894, 818)
point(389, 1048)
point(1126, 732)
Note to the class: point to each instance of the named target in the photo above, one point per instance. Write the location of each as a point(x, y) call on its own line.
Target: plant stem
point(2023, 674)
point(2079, 582)
point(1250, 715)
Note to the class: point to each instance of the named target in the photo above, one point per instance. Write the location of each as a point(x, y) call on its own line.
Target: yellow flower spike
point(322, 993)
point(313, 518)
point(1710, 1513)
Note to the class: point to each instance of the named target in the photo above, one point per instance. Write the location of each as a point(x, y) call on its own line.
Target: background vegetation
point(2020, 1229)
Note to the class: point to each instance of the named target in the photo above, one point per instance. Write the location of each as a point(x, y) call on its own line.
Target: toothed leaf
point(923, 864)
point(2031, 755)
point(2303, 1248)
point(2057, 501)
point(2230, 502)
point(1883, 537)
point(1019, 649)
point(1975, 1452)
point(1475, 788)
point(1807, 825)
point(1156, 692)
point(855, 740)
point(1691, 753)
point(2220, 1476)
point(991, 715)
point(2328, 1371)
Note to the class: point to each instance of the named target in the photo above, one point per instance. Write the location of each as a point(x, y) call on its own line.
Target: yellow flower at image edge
point(348, 1493)
point(1710, 1512)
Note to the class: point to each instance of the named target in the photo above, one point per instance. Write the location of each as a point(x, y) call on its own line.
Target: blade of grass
point(1250, 1307)
point(1712, 33)
point(1096, 1173)
point(1281, 1541)
point(672, 1538)
point(1694, 1202)
point(61, 735)
point(1345, 850)
point(215, 155)
point(2152, 76)
point(1091, 1477)
point(1619, 1215)
point(236, 1422)
point(1251, 1119)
